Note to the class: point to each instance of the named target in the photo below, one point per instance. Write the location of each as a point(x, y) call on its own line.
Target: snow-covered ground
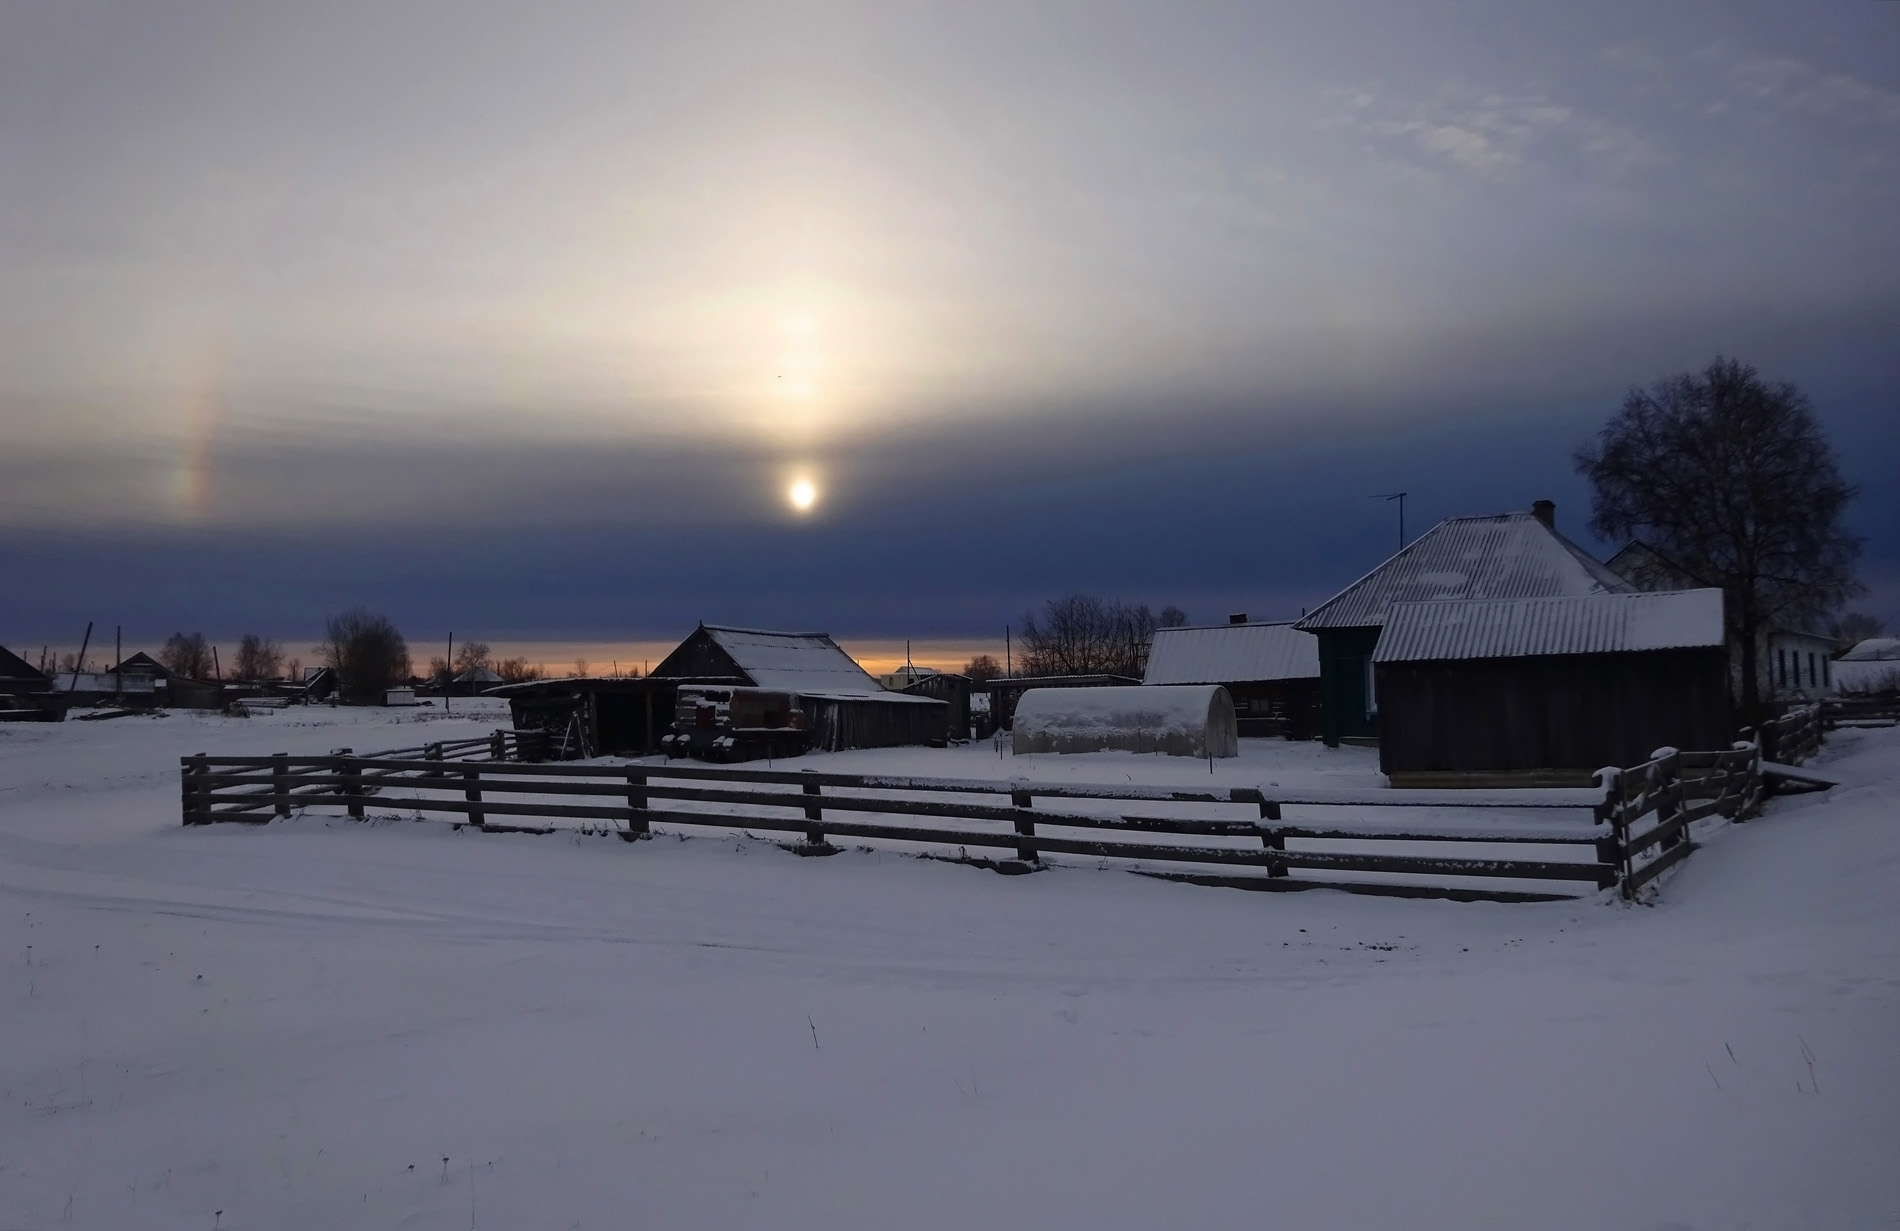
point(319, 1024)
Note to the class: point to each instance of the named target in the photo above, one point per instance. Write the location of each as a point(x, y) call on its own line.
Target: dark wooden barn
point(729, 693)
point(1508, 555)
point(26, 692)
point(1270, 670)
point(1544, 691)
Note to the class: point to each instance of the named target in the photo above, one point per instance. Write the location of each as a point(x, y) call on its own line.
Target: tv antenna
point(1400, 497)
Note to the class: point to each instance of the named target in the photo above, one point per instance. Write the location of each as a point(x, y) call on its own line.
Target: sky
point(524, 321)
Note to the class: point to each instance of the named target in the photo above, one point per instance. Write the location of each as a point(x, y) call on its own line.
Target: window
point(1814, 677)
point(1781, 661)
point(1827, 674)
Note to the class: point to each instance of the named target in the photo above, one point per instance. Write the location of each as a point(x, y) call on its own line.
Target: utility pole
point(1400, 497)
point(81, 660)
point(448, 685)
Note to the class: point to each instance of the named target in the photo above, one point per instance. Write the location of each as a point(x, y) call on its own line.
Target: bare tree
point(1171, 617)
point(187, 655)
point(1853, 628)
point(1082, 634)
point(580, 670)
point(517, 671)
point(258, 658)
point(470, 655)
point(366, 651)
point(1732, 478)
point(983, 668)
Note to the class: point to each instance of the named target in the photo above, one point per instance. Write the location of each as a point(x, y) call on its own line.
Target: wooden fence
point(1877, 710)
point(1650, 808)
point(1628, 830)
point(1237, 836)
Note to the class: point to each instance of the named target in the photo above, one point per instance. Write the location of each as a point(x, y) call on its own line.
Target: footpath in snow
point(320, 1024)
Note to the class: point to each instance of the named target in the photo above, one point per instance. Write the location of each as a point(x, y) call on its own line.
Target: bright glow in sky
point(289, 267)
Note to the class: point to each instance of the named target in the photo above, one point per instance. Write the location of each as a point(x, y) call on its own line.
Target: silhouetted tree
point(1853, 628)
point(366, 651)
point(1171, 617)
point(1730, 477)
point(517, 671)
point(188, 655)
point(258, 658)
point(983, 668)
point(1082, 634)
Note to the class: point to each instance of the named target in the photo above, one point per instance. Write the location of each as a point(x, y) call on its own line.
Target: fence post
point(191, 772)
point(1270, 838)
point(814, 813)
point(280, 781)
point(1665, 785)
point(1025, 826)
point(472, 792)
point(498, 747)
point(352, 785)
point(637, 826)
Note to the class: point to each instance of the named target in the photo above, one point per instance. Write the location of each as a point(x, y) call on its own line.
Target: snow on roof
point(1508, 555)
point(478, 674)
point(808, 663)
point(1521, 627)
point(1874, 649)
point(1231, 654)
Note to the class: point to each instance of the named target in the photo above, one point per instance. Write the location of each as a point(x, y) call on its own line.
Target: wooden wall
point(1579, 712)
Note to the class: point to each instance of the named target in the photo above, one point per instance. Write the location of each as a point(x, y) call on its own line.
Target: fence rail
point(1240, 830)
point(1623, 833)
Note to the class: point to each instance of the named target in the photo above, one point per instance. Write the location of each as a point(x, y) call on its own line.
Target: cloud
point(1798, 86)
point(1492, 134)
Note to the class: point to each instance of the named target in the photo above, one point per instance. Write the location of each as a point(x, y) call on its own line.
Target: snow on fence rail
point(1237, 835)
point(1629, 829)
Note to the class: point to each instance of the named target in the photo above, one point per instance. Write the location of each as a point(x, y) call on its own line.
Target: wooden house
point(1270, 670)
point(730, 694)
point(26, 692)
point(1546, 690)
point(1508, 555)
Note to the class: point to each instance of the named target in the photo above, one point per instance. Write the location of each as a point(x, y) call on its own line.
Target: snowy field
point(319, 1024)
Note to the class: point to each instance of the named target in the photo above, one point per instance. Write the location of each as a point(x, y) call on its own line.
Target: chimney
point(1546, 512)
point(1239, 617)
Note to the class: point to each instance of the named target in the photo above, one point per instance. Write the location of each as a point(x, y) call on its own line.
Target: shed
point(1005, 691)
point(1180, 720)
point(26, 692)
point(20, 676)
point(686, 703)
point(1270, 670)
point(1545, 691)
point(1504, 556)
point(1791, 665)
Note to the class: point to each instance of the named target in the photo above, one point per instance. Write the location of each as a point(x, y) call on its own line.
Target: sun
point(803, 494)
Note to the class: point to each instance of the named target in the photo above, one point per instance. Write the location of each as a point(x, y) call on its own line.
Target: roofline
point(758, 632)
point(1385, 563)
point(1202, 628)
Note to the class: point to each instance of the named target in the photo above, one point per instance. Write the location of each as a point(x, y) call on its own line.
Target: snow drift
point(1183, 720)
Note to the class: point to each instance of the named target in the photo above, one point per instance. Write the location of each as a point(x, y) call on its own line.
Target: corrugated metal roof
point(1232, 654)
point(1510, 555)
point(1520, 628)
point(794, 662)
